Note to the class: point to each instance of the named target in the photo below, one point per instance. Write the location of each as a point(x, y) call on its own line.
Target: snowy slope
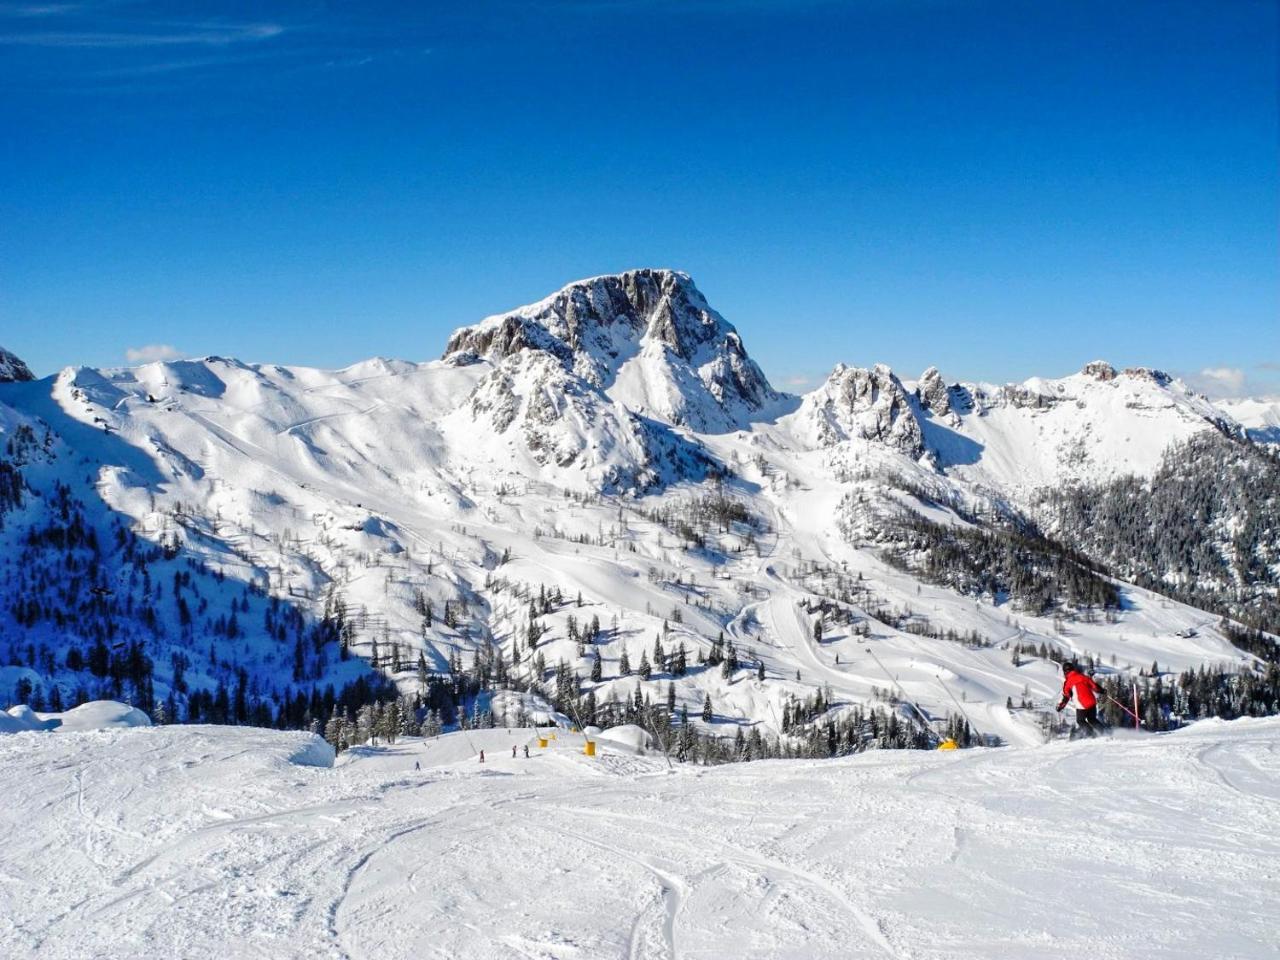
point(547, 452)
point(222, 842)
point(1091, 426)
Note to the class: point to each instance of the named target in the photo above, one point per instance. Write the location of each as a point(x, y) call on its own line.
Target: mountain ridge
point(12, 369)
point(425, 530)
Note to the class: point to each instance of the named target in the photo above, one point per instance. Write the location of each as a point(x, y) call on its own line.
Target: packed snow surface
point(214, 842)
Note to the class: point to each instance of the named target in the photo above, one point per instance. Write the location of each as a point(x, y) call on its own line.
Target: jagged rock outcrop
point(557, 419)
point(934, 395)
point(12, 369)
point(646, 337)
point(856, 403)
point(1099, 370)
point(1028, 395)
point(1158, 377)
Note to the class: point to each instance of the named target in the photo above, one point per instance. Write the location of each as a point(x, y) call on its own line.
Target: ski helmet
point(1067, 666)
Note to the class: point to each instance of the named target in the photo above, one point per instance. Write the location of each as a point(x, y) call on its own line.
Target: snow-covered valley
point(228, 842)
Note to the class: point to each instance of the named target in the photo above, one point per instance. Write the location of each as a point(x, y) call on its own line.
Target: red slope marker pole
point(1125, 709)
point(1136, 714)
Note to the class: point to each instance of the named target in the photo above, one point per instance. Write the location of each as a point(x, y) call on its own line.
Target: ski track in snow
point(204, 842)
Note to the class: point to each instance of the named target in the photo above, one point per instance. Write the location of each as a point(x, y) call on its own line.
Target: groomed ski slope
point(222, 842)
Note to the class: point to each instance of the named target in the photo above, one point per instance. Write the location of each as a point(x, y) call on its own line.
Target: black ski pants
point(1087, 722)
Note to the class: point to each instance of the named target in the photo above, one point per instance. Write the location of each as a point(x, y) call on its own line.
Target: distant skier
point(513, 751)
point(417, 765)
point(1086, 693)
point(482, 756)
point(526, 751)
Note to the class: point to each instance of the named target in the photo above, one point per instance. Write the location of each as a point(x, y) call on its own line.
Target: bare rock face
point(558, 419)
point(12, 369)
point(648, 333)
point(1158, 377)
point(1099, 370)
point(1025, 397)
point(856, 403)
point(935, 396)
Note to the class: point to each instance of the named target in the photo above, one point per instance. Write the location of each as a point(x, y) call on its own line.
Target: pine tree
point(706, 708)
point(597, 668)
point(645, 671)
point(391, 720)
point(333, 731)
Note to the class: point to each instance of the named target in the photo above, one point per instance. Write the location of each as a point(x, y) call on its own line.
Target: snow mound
point(95, 715)
point(311, 751)
point(99, 715)
point(21, 719)
point(629, 737)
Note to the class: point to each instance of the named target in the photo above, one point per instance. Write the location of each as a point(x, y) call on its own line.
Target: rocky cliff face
point(935, 396)
point(856, 403)
point(12, 369)
point(646, 337)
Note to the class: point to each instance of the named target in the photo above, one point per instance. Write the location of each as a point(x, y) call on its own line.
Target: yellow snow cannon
point(948, 744)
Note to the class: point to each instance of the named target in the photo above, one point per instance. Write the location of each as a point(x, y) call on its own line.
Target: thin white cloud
point(800, 381)
point(37, 9)
point(1227, 379)
point(152, 352)
point(195, 35)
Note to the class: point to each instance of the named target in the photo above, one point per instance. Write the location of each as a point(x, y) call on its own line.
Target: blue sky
point(999, 188)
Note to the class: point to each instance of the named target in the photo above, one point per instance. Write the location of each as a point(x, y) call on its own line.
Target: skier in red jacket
point(1086, 692)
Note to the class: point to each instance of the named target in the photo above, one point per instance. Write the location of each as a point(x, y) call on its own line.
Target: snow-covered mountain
point(861, 404)
point(645, 338)
point(12, 369)
point(1260, 416)
point(1095, 425)
point(597, 501)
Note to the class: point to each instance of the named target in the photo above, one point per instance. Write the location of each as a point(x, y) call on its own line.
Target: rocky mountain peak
point(933, 394)
point(1099, 370)
point(656, 305)
point(646, 336)
point(13, 369)
point(861, 404)
point(1158, 377)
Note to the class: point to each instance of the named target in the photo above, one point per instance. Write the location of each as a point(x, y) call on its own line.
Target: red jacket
point(1083, 687)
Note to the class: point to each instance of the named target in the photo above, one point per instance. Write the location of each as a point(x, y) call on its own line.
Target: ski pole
point(1136, 721)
